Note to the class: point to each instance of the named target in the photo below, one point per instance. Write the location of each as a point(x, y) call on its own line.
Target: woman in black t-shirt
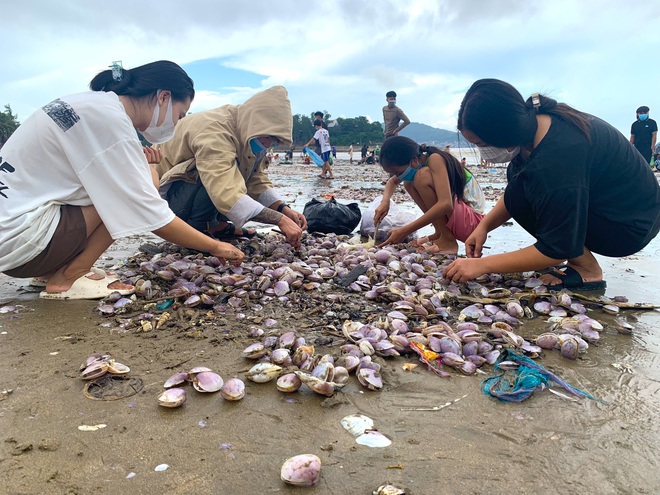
point(575, 184)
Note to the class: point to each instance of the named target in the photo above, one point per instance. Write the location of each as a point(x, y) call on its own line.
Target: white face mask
point(498, 155)
point(160, 134)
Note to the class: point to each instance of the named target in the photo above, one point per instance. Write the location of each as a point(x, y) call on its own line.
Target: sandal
point(572, 280)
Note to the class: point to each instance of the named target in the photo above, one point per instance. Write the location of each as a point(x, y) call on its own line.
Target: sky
point(342, 56)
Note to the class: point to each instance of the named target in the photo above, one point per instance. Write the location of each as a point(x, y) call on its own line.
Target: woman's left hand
point(464, 269)
point(396, 236)
point(153, 155)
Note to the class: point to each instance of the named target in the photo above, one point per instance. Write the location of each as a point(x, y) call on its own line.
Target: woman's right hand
point(475, 243)
point(227, 252)
point(381, 212)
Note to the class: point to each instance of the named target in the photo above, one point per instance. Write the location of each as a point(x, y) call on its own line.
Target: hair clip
point(117, 70)
point(536, 101)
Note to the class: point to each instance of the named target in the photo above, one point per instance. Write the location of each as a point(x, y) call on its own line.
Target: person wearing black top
point(575, 184)
point(643, 133)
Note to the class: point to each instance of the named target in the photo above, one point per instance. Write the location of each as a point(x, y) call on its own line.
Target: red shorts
point(463, 220)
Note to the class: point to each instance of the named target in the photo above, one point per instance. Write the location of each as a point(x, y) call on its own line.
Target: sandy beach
point(472, 445)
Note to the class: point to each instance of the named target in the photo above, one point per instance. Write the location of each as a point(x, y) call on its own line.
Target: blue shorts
point(325, 156)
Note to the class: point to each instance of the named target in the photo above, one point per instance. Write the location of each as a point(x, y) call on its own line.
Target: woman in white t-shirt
point(76, 178)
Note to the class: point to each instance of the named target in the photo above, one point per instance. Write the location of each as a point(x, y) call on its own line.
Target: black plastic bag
point(330, 216)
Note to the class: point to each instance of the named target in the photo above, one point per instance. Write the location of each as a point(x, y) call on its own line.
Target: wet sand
point(476, 445)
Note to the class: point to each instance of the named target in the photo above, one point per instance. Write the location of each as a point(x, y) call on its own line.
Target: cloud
point(343, 56)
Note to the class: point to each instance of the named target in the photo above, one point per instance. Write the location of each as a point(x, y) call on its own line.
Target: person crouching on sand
point(77, 179)
point(437, 183)
point(574, 183)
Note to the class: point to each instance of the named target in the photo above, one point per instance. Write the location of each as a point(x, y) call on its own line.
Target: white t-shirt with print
point(324, 139)
point(78, 150)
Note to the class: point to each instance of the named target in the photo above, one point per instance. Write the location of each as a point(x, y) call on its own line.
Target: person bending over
point(76, 178)
point(574, 183)
point(447, 193)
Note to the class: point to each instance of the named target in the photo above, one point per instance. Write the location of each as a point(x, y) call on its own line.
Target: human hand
point(291, 231)
point(297, 217)
point(227, 252)
point(153, 155)
point(396, 236)
point(381, 211)
point(475, 243)
point(464, 269)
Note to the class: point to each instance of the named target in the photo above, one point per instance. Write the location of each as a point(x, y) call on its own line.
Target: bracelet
point(281, 207)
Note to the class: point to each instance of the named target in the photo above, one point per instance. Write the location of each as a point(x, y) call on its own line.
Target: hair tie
point(536, 102)
point(117, 70)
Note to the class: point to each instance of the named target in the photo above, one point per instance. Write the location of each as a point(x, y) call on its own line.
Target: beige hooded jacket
point(216, 145)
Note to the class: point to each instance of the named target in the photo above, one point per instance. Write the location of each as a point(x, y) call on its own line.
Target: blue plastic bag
point(315, 158)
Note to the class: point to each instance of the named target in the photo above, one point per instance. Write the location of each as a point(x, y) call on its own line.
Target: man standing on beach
point(350, 154)
point(643, 133)
point(392, 116)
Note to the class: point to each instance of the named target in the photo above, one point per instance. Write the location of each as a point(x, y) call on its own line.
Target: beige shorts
point(69, 240)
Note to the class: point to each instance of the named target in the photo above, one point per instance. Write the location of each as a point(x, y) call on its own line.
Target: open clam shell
point(94, 370)
point(177, 379)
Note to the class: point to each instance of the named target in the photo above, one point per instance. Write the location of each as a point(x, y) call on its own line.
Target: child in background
point(448, 194)
point(323, 137)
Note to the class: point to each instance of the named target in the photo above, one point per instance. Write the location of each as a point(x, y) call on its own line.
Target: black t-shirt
point(643, 131)
point(568, 181)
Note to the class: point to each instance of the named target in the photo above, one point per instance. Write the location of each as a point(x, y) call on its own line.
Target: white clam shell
point(373, 439)
point(357, 424)
point(172, 397)
point(301, 470)
point(263, 372)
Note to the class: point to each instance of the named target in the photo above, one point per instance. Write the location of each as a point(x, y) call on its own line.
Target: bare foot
point(440, 247)
point(420, 242)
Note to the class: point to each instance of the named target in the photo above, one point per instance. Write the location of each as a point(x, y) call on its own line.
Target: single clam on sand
point(301, 470)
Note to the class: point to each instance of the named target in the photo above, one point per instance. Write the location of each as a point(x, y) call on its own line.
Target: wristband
point(281, 207)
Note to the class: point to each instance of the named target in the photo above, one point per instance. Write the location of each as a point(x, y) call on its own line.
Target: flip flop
point(39, 282)
point(86, 288)
point(229, 233)
point(572, 281)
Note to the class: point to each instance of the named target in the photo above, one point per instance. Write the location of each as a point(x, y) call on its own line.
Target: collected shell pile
point(203, 380)
point(97, 365)
point(324, 283)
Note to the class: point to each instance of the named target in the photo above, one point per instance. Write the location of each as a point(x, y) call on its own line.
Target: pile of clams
point(97, 365)
point(203, 380)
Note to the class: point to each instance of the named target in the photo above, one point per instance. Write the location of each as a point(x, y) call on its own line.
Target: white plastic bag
point(396, 217)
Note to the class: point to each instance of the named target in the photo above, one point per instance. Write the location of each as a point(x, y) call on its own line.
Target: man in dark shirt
point(643, 133)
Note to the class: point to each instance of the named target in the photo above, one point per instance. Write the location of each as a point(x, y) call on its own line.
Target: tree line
point(8, 124)
point(356, 130)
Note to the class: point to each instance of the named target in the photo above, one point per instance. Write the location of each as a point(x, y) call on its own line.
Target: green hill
point(423, 133)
